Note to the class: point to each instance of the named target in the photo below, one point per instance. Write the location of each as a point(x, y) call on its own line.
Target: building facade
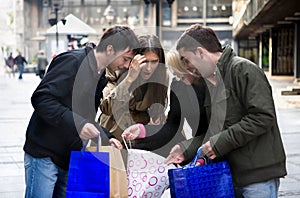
point(144, 16)
point(267, 31)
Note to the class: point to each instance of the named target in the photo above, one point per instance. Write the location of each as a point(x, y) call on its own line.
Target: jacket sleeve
point(158, 136)
point(116, 94)
point(105, 104)
point(255, 95)
point(55, 91)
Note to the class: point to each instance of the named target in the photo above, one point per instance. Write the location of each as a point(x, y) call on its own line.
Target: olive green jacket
point(243, 126)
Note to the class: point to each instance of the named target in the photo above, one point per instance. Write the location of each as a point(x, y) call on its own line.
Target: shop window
point(166, 13)
point(219, 8)
point(190, 9)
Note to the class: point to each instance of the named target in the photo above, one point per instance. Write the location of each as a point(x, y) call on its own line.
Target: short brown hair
point(120, 37)
point(199, 36)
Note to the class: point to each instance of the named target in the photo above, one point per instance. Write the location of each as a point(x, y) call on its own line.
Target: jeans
point(43, 178)
point(267, 189)
point(21, 69)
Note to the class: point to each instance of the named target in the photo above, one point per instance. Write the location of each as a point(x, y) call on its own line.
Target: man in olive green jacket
point(243, 126)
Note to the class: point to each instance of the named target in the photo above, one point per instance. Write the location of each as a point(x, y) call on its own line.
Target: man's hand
point(208, 151)
point(132, 132)
point(176, 156)
point(116, 143)
point(88, 131)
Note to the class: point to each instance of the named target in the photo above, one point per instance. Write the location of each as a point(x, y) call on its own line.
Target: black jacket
point(20, 60)
point(63, 102)
point(186, 103)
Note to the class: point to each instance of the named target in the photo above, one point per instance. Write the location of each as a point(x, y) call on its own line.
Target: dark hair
point(199, 36)
point(120, 37)
point(151, 43)
point(145, 94)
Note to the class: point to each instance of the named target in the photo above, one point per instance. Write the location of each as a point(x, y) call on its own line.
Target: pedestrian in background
point(42, 64)
point(20, 61)
point(65, 104)
point(10, 62)
point(243, 126)
point(187, 93)
point(141, 96)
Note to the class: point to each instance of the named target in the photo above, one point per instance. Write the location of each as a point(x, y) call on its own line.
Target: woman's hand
point(132, 132)
point(116, 143)
point(136, 64)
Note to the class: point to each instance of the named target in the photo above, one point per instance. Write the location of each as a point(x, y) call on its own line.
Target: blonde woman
point(186, 103)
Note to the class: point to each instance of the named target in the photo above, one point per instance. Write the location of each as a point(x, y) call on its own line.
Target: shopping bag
point(88, 175)
point(147, 174)
point(118, 176)
point(210, 180)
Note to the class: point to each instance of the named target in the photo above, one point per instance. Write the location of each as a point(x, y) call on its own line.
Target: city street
point(16, 109)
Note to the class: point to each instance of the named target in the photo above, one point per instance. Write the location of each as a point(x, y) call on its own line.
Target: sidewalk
point(284, 83)
point(16, 109)
point(288, 111)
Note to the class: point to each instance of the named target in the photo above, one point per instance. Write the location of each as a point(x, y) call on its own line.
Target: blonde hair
point(174, 62)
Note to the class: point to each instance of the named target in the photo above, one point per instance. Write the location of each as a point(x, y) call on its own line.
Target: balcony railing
point(248, 12)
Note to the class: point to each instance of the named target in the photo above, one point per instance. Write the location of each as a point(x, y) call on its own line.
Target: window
point(190, 9)
point(219, 8)
point(166, 13)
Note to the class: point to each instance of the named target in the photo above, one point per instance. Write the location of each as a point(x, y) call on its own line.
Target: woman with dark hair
point(139, 95)
point(186, 106)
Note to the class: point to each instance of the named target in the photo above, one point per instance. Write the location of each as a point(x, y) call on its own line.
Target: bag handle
point(125, 143)
point(85, 143)
point(199, 151)
point(197, 156)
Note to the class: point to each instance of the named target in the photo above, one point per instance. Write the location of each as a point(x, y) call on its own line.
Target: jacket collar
point(225, 59)
point(92, 61)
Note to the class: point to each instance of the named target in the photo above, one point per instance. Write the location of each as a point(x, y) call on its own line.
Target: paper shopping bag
point(147, 174)
point(205, 181)
point(88, 175)
point(118, 176)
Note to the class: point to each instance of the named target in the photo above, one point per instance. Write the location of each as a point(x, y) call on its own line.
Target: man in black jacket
point(65, 108)
point(20, 61)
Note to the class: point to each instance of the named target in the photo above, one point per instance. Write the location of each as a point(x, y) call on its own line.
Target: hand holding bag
point(147, 174)
point(88, 174)
point(211, 180)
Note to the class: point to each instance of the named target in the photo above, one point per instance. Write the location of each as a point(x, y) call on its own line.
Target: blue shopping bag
point(210, 180)
point(88, 175)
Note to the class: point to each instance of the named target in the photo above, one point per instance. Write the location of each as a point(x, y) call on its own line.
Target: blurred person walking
point(41, 64)
point(20, 61)
point(10, 62)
